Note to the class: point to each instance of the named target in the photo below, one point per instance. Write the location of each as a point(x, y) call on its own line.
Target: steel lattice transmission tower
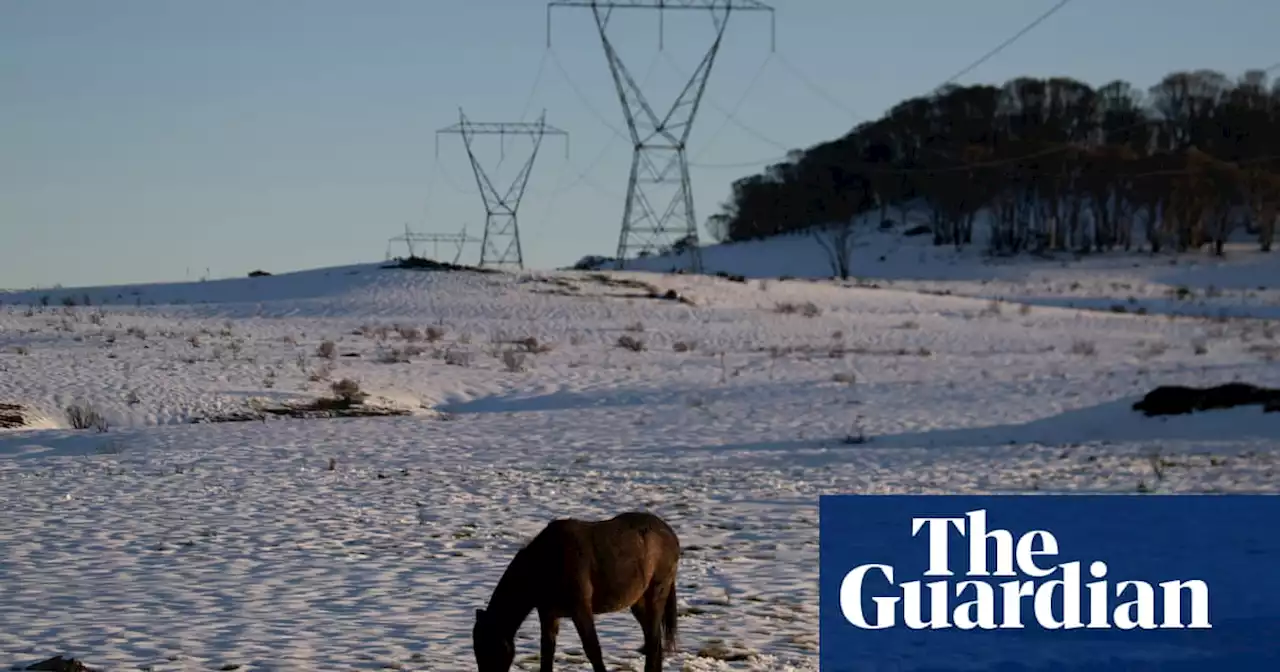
point(410, 237)
point(501, 243)
point(659, 164)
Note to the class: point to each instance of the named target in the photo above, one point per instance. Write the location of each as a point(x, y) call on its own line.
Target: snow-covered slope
point(176, 546)
point(1242, 283)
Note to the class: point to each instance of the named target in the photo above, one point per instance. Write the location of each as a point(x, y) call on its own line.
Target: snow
point(165, 545)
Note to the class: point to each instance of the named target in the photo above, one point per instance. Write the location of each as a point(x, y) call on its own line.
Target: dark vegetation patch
point(347, 402)
point(638, 288)
point(1181, 399)
point(1150, 169)
point(12, 416)
point(423, 264)
point(60, 664)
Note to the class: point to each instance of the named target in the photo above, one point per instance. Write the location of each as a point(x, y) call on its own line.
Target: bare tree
point(837, 240)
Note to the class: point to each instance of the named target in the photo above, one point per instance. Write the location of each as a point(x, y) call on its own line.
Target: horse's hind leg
point(648, 625)
point(648, 611)
point(550, 626)
point(586, 626)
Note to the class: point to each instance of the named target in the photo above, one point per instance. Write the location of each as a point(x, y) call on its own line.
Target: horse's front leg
point(550, 626)
point(586, 625)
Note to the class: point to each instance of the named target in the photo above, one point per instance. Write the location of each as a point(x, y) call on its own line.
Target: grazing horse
point(576, 569)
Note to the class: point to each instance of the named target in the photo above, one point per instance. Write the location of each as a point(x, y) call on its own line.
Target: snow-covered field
point(165, 545)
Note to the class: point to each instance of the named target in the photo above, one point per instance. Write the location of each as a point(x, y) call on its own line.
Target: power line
point(1004, 45)
point(818, 90)
point(533, 90)
point(731, 115)
point(582, 98)
point(737, 106)
point(967, 69)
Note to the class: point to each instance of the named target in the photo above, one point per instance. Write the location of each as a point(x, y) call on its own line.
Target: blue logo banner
point(1068, 583)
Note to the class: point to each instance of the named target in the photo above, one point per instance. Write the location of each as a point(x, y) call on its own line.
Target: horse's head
point(495, 651)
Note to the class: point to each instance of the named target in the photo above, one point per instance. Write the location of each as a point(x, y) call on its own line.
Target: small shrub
point(327, 350)
point(435, 334)
point(532, 345)
point(348, 391)
point(1084, 348)
point(857, 435)
point(458, 357)
point(684, 346)
point(84, 416)
point(410, 334)
point(631, 343)
point(1152, 350)
point(392, 356)
point(1200, 346)
point(1024, 309)
point(807, 309)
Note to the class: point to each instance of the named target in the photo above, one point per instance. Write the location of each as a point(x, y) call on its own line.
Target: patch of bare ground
point(642, 290)
point(348, 401)
point(12, 416)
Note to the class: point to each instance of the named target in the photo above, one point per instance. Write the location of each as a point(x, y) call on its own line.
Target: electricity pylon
point(411, 237)
point(501, 243)
point(659, 161)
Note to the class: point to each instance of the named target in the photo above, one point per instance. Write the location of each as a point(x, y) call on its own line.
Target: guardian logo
point(970, 604)
point(1071, 583)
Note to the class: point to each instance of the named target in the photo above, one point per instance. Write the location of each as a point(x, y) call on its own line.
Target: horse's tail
point(669, 613)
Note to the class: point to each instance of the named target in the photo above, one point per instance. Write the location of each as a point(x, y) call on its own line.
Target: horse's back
point(644, 523)
point(640, 523)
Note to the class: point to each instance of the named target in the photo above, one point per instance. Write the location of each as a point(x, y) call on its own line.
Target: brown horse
point(576, 569)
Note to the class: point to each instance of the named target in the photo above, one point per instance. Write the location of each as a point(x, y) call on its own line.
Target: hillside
point(726, 407)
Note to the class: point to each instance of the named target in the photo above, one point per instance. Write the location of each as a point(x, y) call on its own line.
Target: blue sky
point(153, 140)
